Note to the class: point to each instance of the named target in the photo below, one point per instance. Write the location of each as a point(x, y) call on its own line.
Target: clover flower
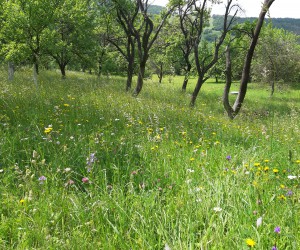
point(42, 179)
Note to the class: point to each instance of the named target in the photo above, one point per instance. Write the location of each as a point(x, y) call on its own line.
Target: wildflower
point(190, 170)
point(259, 222)
point(217, 209)
point(22, 201)
point(48, 130)
point(289, 193)
point(275, 170)
point(282, 197)
point(256, 164)
point(85, 180)
point(66, 170)
point(274, 248)
point(69, 183)
point(277, 230)
point(282, 186)
point(266, 161)
point(35, 154)
point(266, 169)
point(298, 161)
point(192, 159)
point(292, 177)
point(66, 105)
point(228, 157)
point(250, 242)
point(42, 179)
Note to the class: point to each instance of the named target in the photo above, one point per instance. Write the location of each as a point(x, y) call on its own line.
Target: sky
point(279, 9)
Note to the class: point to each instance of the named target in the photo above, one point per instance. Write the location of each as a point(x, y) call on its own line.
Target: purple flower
point(42, 179)
point(274, 248)
point(228, 157)
point(289, 193)
point(91, 159)
point(277, 230)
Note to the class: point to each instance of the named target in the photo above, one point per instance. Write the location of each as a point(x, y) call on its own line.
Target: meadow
point(84, 165)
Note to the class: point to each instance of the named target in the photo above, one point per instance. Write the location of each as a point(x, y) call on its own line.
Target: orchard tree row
point(125, 37)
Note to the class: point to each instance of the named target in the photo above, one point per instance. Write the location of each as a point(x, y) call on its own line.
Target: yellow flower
point(256, 164)
point(266, 168)
point(275, 170)
point(266, 161)
point(192, 159)
point(282, 186)
point(22, 201)
point(48, 130)
point(282, 197)
point(298, 161)
point(66, 105)
point(250, 242)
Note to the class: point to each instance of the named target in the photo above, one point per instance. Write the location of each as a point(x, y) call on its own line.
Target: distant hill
point(155, 9)
point(289, 24)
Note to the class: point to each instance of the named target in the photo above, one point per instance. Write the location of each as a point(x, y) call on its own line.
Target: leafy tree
point(232, 111)
point(71, 34)
point(24, 26)
point(196, 14)
point(277, 57)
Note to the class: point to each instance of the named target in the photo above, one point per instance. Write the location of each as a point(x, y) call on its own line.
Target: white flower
point(217, 209)
point(259, 222)
point(292, 177)
point(190, 170)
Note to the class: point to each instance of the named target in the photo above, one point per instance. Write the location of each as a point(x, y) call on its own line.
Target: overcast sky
point(280, 8)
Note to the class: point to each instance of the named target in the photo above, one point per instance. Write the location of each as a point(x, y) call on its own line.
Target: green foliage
point(159, 173)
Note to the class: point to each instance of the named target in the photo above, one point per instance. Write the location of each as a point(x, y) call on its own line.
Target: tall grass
point(84, 165)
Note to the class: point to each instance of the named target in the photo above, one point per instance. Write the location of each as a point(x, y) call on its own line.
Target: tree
point(197, 14)
point(24, 26)
point(232, 111)
point(126, 13)
point(276, 57)
point(71, 34)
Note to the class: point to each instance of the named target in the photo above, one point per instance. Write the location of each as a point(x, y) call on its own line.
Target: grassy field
point(84, 165)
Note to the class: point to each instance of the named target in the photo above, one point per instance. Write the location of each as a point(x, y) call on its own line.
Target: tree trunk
point(199, 84)
point(140, 79)
point(11, 71)
point(130, 69)
point(35, 77)
point(186, 77)
point(160, 74)
point(226, 103)
point(62, 70)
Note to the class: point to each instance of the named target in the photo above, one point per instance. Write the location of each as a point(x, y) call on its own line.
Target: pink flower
point(85, 180)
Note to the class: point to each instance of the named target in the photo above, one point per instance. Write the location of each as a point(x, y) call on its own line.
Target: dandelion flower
point(275, 170)
point(250, 242)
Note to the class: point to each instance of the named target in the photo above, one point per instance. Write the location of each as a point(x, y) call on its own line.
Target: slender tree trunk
point(226, 103)
point(130, 69)
point(199, 84)
point(186, 77)
point(160, 74)
point(11, 71)
point(140, 79)
point(35, 76)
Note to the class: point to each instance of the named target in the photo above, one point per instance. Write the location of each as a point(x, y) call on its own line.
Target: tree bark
point(226, 104)
point(35, 77)
point(186, 76)
point(62, 70)
point(199, 84)
point(140, 79)
point(11, 71)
